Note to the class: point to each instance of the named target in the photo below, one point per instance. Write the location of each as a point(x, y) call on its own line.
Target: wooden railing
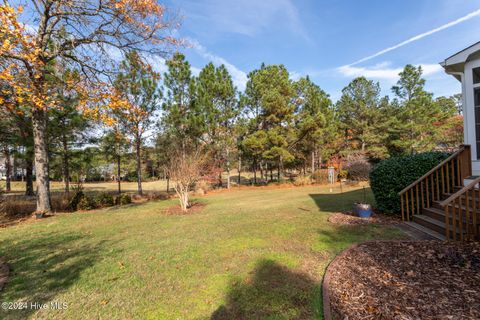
point(461, 213)
point(432, 185)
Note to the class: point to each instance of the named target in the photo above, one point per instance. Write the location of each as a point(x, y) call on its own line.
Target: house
point(465, 67)
point(445, 202)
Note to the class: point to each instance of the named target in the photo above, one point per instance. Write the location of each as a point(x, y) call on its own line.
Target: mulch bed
point(349, 218)
point(177, 210)
point(405, 280)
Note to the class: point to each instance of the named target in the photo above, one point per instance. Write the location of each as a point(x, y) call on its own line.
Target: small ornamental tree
point(185, 169)
point(81, 35)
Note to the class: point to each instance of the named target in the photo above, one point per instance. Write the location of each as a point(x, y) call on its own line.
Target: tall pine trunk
point(313, 161)
point(39, 121)
point(138, 143)
point(29, 173)
point(65, 164)
point(255, 171)
point(239, 169)
point(8, 170)
point(228, 167)
point(119, 182)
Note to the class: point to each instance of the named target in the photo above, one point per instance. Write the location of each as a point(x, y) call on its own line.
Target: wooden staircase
point(441, 204)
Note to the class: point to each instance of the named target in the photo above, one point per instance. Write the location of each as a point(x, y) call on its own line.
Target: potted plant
point(363, 209)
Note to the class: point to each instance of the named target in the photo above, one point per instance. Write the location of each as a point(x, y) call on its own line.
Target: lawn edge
point(327, 310)
point(4, 273)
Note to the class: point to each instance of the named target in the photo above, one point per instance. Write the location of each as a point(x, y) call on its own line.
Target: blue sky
point(322, 38)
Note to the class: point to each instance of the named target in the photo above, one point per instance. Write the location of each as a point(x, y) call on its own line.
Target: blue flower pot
point(362, 210)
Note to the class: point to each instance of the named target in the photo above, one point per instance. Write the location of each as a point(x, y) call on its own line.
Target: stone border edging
point(4, 272)
point(327, 311)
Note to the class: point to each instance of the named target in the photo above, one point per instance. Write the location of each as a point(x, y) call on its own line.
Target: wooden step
point(434, 225)
point(430, 223)
point(427, 231)
point(439, 215)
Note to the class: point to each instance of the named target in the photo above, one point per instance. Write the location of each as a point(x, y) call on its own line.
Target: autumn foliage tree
point(81, 34)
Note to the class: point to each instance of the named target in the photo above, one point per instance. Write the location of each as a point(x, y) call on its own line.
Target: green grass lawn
point(249, 254)
point(158, 185)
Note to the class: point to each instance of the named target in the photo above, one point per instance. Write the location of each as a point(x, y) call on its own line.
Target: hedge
point(391, 176)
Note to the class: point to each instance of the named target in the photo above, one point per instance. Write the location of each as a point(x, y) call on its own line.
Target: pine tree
point(360, 113)
point(268, 100)
point(417, 116)
point(137, 87)
point(182, 120)
point(216, 100)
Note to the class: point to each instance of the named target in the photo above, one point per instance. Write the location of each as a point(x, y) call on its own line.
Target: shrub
point(391, 176)
point(358, 168)
point(104, 200)
point(343, 174)
point(202, 186)
point(86, 203)
point(320, 176)
point(123, 199)
point(302, 181)
point(73, 204)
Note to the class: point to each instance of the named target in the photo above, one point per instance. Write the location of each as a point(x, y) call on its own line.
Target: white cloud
point(246, 17)
point(420, 36)
point(238, 76)
point(383, 71)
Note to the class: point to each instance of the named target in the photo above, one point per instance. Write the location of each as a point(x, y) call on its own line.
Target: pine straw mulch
point(349, 218)
point(405, 280)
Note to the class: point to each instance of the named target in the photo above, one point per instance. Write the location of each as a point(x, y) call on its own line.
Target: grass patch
point(248, 254)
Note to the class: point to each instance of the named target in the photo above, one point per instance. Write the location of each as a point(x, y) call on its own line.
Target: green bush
point(123, 199)
point(73, 204)
point(391, 176)
point(104, 200)
point(86, 203)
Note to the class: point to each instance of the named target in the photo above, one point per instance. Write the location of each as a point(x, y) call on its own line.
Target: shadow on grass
point(335, 202)
point(272, 291)
point(44, 267)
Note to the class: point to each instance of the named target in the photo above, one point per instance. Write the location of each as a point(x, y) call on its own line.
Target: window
point(476, 75)
point(476, 93)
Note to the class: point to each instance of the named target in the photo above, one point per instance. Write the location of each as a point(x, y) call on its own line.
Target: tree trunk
point(65, 165)
point(14, 153)
point(39, 121)
point(119, 179)
point(239, 169)
point(255, 171)
point(139, 165)
point(228, 167)
point(168, 184)
point(261, 170)
point(29, 173)
point(278, 171)
point(271, 172)
point(313, 161)
point(8, 170)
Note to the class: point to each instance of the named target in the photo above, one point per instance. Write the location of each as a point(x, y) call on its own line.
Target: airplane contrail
point(420, 36)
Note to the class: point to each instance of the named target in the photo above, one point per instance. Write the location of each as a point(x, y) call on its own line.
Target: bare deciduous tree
point(185, 169)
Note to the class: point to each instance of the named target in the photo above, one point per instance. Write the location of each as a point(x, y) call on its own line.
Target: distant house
point(465, 67)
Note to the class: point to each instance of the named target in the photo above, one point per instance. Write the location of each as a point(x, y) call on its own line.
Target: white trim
point(462, 56)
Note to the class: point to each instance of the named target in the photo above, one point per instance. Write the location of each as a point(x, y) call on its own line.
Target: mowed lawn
point(158, 185)
point(249, 254)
